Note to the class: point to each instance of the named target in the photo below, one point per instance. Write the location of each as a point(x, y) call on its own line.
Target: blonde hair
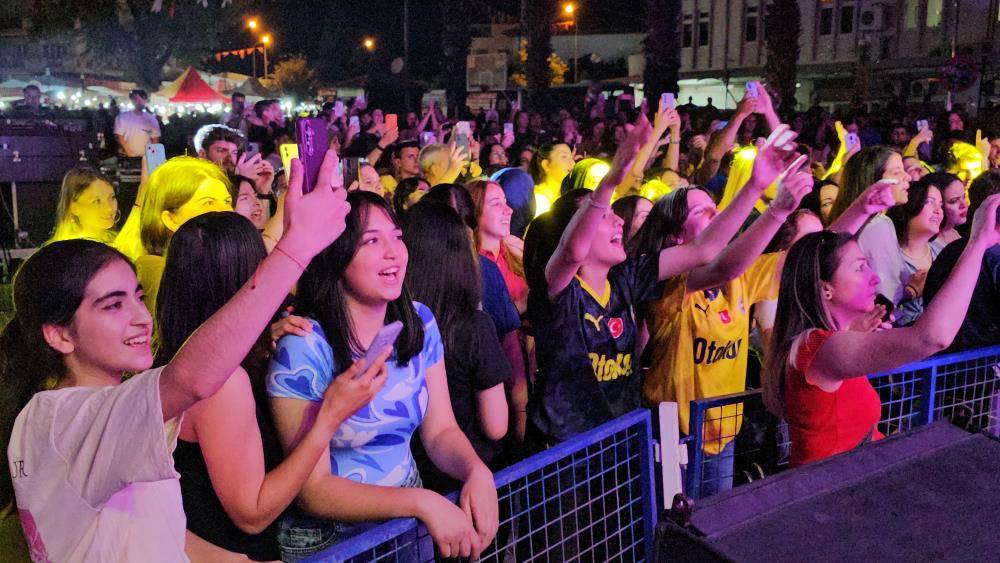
point(74, 183)
point(739, 174)
point(169, 187)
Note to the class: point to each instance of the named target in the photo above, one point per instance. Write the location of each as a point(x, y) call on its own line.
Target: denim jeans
point(716, 471)
point(301, 537)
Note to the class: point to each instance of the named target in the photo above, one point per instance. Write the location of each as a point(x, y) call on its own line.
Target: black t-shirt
point(981, 326)
point(475, 363)
point(205, 515)
point(588, 366)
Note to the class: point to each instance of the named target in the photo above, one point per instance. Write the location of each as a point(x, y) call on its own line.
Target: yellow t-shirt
point(388, 182)
point(698, 346)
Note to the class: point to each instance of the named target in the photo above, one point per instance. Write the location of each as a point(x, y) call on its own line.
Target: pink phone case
point(312, 141)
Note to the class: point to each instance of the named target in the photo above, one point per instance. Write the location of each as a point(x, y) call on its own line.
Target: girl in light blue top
point(352, 289)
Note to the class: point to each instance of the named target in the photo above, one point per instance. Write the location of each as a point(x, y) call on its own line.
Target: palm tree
point(783, 27)
point(662, 48)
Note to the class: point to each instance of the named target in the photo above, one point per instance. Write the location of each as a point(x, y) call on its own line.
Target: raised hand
point(772, 155)
point(984, 223)
point(878, 197)
point(793, 184)
point(312, 221)
point(870, 321)
point(353, 389)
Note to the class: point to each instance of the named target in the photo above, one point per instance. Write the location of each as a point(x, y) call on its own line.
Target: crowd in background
point(456, 294)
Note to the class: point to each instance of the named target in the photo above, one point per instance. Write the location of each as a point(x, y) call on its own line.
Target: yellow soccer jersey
point(698, 346)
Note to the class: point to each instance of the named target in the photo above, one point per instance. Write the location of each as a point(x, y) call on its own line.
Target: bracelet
point(912, 289)
point(673, 142)
point(593, 203)
point(290, 257)
point(379, 147)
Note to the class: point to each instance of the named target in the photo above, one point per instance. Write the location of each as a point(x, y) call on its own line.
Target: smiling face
point(928, 221)
point(375, 275)
point(642, 208)
point(956, 209)
point(95, 208)
point(894, 171)
point(853, 287)
point(494, 222)
point(211, 195)
point(110, 330)
point(608, 249)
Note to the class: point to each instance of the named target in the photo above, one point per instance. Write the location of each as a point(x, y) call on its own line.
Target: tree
point(662, 48)
point(538, 17)
point(557, 67)
point(455, 41)
point(293, 78)
point(783, 26)
point(143, 37)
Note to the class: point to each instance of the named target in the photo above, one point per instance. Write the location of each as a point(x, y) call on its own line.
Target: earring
point(118, 215)
point(827, 295)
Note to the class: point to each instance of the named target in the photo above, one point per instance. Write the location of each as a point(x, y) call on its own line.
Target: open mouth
point(617, 239)
point(390, 274)
point(138, 341)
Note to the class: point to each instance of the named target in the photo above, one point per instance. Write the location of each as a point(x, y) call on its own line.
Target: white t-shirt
point(94, 475)
point(137, 130)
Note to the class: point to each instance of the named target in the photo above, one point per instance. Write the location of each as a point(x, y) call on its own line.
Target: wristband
point(290, 257)
point(380, 147)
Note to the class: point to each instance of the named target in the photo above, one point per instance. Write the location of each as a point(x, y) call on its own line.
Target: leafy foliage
point(293, 78)
point(662, 47)
point(538, 16)
point(783, 27)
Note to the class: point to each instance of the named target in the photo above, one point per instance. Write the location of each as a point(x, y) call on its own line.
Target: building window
point(687, 32)
point(912, 13)
point(825, 21)
point(750, 33)
point(54, 51)
point(703, 29)
point(847, 19)
point(10, 15)
point(933, 13)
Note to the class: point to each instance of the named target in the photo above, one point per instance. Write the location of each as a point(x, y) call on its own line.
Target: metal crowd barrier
point(960, 384)
point(591, 497)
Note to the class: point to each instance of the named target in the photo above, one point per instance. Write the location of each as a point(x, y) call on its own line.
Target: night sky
point(329, 32)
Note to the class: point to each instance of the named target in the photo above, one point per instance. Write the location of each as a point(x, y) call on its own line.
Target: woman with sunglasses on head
point(816, 377)
point(88, 455)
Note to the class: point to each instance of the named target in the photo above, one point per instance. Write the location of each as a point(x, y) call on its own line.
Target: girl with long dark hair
point(350, 292)
point(233, 481)
point(88, 455)
point(444, 275)
point(816, 377)
point(917, 223)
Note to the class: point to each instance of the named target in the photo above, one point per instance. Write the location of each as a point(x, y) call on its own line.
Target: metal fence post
point(695, 452)
point(930, 393)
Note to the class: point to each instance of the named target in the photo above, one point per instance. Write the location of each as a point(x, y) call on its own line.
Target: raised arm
point(765, 106)
point(913, 147)
point(665, 119)
point(214, 351)
point(722, 142)
point(770, 161)
point(793, 184)
point(851, 354)
point(876, 199)
point(574, 246)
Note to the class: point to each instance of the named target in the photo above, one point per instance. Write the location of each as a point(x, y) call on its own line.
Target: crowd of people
point(200, 375)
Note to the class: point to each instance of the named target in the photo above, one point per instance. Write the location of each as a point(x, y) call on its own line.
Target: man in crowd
point(222, 145)
point(265, 125)
point(32, 100)
point(405, 162)
point(442, 164)
point(236, 117)
point(137, 128)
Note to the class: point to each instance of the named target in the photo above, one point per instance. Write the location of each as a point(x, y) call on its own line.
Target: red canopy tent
point(192, 89)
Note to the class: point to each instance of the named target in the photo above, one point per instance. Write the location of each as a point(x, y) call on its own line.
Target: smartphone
point(887, 303)
point(667, 100)
point(155, 156)
point(350, 168)
point(427, 138)
point(338, 108)
point(508, 128)
point(852, 140)
point(462, 134)
point(288, 152)
point(752, 90)
point(252, 150)
point(386, 336)
point(921, 124)
point(354, 121)
point(720, 125)
point(312, 142)
point(391, 121)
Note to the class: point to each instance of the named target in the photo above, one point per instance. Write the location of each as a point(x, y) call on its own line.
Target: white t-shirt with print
point(137, 130)
point(94, 475)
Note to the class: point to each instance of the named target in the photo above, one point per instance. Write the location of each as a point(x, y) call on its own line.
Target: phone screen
point(391, 121)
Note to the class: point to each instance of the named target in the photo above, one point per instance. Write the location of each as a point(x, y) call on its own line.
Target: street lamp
point(570, 11)
point(369, 44)
point(266, 40)
point(252, 23)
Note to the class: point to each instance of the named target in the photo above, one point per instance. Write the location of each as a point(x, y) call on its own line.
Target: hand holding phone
point(338, 108)
point(312, 143)
point(752, 90)
point(288, 152)
point(667, 101)
point(391, 121)
point(508, 128)
point(852, 141)
point(385, 338)
point(921, 124)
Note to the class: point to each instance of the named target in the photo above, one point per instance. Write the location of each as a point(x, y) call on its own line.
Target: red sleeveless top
point(822, 424)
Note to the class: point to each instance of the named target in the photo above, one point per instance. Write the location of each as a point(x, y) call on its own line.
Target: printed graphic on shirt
point(36, 547)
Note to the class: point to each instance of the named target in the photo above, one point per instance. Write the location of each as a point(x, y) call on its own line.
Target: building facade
point(898, 45)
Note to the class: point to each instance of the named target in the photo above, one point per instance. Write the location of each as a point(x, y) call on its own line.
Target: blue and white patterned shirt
point(373, 445)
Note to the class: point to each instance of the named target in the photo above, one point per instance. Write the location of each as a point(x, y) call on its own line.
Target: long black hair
point(321, 290)
point(625, 208)
point(443, 271)
point(48, 290)
point(917, 197)
point(208, 260)
point(663, 224)
point(810, 261)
